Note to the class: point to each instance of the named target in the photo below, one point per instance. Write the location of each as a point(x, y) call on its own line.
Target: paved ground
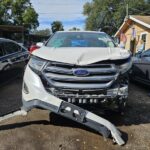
point(10, 97)
point(36, 132)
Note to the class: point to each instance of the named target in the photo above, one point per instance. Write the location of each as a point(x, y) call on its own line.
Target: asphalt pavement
point(10, 97)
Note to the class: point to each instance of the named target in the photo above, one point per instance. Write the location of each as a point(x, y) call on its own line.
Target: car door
point(137, 71)
point(5, 65)
point(141, 67)
point(13, 60)
point(145, 64)
point(18, 57)
point(1, 57)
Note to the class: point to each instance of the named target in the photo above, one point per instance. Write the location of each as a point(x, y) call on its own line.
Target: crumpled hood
point(81, 56)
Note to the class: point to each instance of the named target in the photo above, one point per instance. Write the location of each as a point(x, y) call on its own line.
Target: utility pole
point(127, 8)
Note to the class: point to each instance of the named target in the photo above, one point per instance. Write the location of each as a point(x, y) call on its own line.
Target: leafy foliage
point(74, 29)
point(108, 15)
point(18, 12)
point(30, 18)
point(44, 32)
point(4, 11)
point(57, 26)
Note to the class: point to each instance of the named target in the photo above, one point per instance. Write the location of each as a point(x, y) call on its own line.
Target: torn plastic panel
point(75, 113)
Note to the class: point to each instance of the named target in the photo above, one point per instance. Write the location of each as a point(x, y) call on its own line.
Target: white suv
point(83, 68)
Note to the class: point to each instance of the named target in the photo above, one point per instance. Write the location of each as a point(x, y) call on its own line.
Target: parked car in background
point(141, 67)
point(83, 68)
point(33, 48)
point(13, 58)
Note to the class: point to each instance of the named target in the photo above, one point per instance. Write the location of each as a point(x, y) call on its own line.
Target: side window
point(23, 49)
point(143, 38)
point(11, 47)
point(146, 54)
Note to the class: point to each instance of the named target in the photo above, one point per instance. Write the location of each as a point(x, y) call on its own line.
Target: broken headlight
point(36, 64)
point(123, 68)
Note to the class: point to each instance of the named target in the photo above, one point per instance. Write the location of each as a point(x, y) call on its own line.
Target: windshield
point(80, 39)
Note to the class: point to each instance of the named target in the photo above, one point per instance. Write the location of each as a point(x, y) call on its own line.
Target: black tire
point(122, 106)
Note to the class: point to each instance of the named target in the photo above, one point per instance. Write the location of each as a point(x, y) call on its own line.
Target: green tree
point(30, 18)
point(108, 15)
point(74, 29)
point(57, 26)
point(5, 8)
point(44, 32)
point(18, 12)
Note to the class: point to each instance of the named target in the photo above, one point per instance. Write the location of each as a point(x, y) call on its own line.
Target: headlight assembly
point(123, 68)
point(36, 64)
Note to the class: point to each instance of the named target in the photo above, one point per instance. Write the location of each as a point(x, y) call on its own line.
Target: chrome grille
point(60, 75)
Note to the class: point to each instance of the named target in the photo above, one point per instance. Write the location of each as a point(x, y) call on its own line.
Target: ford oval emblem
point(80, 72)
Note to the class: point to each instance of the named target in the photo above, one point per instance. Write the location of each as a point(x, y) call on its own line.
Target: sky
point(69, 12)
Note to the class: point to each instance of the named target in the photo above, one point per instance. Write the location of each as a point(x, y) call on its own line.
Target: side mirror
point(39, 44)
point(146, 55)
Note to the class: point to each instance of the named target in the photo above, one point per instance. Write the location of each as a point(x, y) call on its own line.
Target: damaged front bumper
point(35, 96)
point(79, 115)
